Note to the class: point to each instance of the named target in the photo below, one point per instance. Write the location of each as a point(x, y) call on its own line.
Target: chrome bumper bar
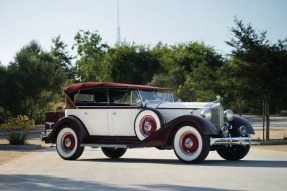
point(235, 141)
point(45, 134)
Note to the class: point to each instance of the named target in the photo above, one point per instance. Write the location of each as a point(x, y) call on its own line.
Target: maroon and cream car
point(117, 117)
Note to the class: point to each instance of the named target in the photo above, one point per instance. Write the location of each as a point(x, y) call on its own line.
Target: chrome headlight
point(242, 131)
point(224, 131)
point(228, 114)
point(207, 114)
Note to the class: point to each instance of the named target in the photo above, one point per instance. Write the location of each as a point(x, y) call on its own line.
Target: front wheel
point(190, 145)
point(235, 152)
point(114, 152)
point(67, 144)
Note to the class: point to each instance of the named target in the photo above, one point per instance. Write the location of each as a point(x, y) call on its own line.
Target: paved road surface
point(273, 124)
point(144, 169)
point(279, 120)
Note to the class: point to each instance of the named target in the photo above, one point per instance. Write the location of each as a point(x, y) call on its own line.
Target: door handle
point(114, 113)
point(86, 113)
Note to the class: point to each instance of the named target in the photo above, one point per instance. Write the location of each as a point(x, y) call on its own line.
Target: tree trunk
point(263, 116)
point(267, 113)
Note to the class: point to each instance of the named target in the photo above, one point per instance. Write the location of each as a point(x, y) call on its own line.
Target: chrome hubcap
point(188, 143)
point(147, 126)
point(68, 142)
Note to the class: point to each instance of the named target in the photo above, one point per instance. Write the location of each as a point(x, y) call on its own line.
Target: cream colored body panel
point(95, 120)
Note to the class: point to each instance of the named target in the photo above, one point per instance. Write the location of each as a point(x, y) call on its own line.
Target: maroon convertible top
point(91, 85)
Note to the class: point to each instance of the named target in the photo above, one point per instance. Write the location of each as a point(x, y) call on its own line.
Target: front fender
point(240, 121)
point(72, 122)
point(160, 137)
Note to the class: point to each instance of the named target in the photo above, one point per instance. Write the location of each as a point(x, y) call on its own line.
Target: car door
point(124, 106)
point(92, 111)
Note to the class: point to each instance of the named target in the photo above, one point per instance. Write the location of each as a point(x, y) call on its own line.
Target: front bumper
point(235, 141)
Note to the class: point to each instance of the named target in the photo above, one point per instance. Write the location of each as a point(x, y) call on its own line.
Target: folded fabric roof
point(91, 85)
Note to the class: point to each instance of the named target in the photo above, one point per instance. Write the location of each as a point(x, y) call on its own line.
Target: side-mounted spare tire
point(147, 122)
point(67, 144)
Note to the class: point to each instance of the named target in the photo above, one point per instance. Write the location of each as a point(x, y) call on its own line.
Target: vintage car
point(117, 117)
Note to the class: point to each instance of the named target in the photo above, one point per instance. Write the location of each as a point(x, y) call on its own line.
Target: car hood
point(182, 105)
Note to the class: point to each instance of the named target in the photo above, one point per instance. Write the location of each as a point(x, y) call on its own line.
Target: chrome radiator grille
point(217, 117)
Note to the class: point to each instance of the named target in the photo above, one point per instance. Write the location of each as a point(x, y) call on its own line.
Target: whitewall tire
point(190, 145)
point(147, 122)
point(67, 144)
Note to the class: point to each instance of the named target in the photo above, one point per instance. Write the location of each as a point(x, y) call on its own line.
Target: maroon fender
point(74, 123)
point(240, 121)
point(160, 137)
point(53, 116)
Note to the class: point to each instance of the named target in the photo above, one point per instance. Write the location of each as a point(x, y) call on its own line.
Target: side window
point(123, 97)
point(100, 97)
point(84, 98)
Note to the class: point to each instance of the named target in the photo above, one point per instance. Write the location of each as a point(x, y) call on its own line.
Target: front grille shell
point(217, 116)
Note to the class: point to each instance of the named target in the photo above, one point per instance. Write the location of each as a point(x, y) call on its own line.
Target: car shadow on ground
point(42, 182)
point(240, 163)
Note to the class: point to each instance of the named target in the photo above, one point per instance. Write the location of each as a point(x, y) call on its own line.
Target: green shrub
point(18, 129)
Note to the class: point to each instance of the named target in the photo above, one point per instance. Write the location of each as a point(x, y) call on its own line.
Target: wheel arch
point(73, 122)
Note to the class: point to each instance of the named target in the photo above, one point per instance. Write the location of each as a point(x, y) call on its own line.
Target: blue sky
point(141, 21)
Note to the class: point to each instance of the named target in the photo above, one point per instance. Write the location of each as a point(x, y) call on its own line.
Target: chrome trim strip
point(235, 141)
point(104, 145)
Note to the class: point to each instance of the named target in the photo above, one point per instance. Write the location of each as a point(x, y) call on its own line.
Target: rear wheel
point(114, 152)
point(67, 144)
point(235, 152)
point(190, 145)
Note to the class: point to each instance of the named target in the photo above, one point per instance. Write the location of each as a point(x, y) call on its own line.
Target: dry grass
point(271, 147)
point(9, 155)
point(6, 156)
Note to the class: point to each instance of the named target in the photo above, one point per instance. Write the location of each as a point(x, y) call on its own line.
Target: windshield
point(156, 95)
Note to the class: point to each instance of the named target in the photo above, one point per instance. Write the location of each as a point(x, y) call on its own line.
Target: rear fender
point(161, 136)
point(73, 122)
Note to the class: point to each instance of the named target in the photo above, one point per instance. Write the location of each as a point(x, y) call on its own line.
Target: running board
point(104, 145)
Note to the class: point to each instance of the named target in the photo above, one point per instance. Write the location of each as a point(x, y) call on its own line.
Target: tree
point(62, 56)
point(189, 69)
point(91, 51)
point(30, 82)
point(173, 79)
point(260, 69)
point(130, 63)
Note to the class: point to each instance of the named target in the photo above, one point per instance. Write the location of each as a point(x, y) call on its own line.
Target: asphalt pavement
point(144, 169)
